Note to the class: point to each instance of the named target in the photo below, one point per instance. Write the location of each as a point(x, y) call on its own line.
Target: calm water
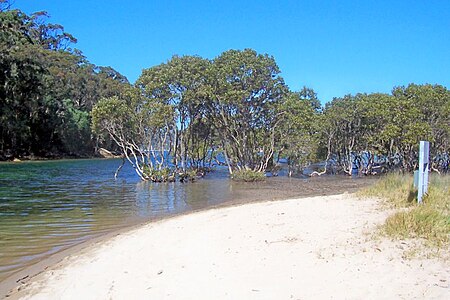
point(49, 206)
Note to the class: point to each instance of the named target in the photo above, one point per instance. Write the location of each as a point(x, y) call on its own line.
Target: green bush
point(163, 175)
point(188, 175)
point(248, 175)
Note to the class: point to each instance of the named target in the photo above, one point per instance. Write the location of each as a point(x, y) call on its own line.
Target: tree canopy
point(185, 115)
point(384, 130)
point(47, 88)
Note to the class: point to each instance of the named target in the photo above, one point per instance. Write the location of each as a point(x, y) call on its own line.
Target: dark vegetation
point(47, 89)
point(183, 116)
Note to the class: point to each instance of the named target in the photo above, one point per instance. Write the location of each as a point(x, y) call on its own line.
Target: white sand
point(311, 248)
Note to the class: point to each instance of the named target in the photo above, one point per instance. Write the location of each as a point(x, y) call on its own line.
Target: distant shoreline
point(37, 159)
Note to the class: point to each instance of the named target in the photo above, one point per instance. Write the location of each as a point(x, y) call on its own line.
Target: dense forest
point(189, 113)
point(47, 88)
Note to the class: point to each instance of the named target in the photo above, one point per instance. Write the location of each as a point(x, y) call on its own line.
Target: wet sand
point(306, 248)
point(281, 188)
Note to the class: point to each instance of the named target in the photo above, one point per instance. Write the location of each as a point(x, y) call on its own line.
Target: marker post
point(424, 158)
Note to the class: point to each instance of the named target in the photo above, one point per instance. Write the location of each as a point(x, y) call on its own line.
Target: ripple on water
point(52, 205)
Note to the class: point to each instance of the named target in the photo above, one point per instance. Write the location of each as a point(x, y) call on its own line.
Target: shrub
point(163, 175)
point(248, 175)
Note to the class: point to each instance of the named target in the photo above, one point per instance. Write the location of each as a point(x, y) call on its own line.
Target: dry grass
point(397, 189)
point(429, 221)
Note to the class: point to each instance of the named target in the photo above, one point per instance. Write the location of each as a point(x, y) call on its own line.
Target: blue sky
point(334, 47)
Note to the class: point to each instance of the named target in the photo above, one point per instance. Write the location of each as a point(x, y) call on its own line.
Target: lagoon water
point(49, 206)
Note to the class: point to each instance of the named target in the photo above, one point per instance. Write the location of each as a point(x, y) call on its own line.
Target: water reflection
point(48, 206)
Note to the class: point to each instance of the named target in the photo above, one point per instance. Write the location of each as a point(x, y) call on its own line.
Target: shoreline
point(43, 159)
point(274, 188)
point(20, 277)
point(23, 276)
point(15, 280)
point(79, 253)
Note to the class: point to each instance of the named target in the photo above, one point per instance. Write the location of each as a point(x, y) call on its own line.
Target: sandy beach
point(310, 248)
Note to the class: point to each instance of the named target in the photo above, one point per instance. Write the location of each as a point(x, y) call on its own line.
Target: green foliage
point(163, 175)
point(237, 104)
point(230, 103)
point(246, 93)
point(75, 128)
point(111, 114)
point(188, 109)
point(248, 175)
point(388, 126)
point(310, 96)
point(180, 84)
point(47, 89)
point(298, 129)
point(168, 174)
point(188, 175)
point(142, 128)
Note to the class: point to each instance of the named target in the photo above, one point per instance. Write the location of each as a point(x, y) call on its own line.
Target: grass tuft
point(429, 221)
point(421, 222)
point(396, 188)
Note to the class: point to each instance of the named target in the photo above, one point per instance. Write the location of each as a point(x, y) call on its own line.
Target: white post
point(424, 153)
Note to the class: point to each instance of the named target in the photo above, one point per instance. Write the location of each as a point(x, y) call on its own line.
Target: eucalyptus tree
point(181, 83)
point(140, 127)
point(245, 93)
point(21, 86)
point(422, 114)
point(381, 130)
point(345, 130)
point(49, 36)
point(309, 95)
point(299, 134)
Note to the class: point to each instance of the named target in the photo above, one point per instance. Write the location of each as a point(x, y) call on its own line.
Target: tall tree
point(299, 130)
point(245, 94)
point(182, 83)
